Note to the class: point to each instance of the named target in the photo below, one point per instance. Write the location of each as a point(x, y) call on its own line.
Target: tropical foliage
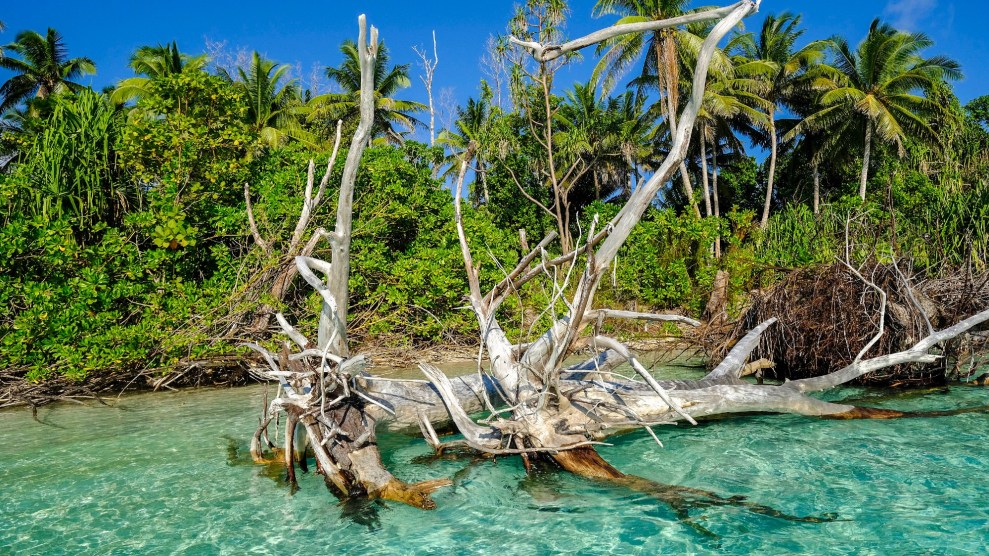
point(393, 118)
point(42, 68)
point(124, 241)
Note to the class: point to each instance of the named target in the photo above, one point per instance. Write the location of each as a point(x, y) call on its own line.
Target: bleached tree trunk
point(865, 160)
point(539, 407)
point(429, 69)
point(319, 388)
point(771, 184)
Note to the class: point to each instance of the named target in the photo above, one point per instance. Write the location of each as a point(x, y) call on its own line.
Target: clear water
point(169, 474)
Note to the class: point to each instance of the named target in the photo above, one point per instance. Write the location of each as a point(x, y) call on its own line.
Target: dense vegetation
point(124, 241)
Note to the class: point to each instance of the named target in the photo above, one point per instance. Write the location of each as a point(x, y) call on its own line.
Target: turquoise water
point(169, 474)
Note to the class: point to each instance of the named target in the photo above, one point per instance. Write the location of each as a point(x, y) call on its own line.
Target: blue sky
point(308, 34)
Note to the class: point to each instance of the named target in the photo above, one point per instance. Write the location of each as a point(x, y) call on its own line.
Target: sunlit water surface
point(170, 474)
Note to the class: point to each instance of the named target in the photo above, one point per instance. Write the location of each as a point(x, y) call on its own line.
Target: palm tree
point(660, 50)
point(390, 114)
point(633, 129)
point(789, 70)
point(154, 62)
point(663, 52)
point(878, 91)
point(600, 142)
point(42, 70)
point(730, 102)
point(471, 134)
point(272, 106)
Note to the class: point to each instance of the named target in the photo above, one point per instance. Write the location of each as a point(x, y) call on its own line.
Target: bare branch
point(481, 438)
point(472, 278)
point(429, 67)
point(663, 394)
point(546, 53)
point(265, 246)
point(631, 315)
point(329, 167)
point(917, 354)
point(291, 332)
point(734, 362)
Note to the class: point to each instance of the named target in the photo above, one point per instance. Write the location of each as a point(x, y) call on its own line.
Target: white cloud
point(909, 14)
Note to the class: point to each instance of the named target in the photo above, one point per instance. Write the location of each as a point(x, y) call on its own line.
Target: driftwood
point(537, 407)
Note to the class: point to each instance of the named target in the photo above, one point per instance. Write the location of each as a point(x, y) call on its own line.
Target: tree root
point(415, 495)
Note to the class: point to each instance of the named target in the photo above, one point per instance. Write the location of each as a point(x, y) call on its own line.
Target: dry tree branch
point(546, 53)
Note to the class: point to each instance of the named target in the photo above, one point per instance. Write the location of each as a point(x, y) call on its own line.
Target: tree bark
point(770, 185)
point(714, 193)
point(865, 160)
point(704, 178)
point(817, 188)
point(670, 109)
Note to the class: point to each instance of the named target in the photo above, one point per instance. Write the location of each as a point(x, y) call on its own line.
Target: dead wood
point(537, 407)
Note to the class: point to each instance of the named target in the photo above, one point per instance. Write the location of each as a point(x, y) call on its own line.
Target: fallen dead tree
point(827, 315)
point(537, 407)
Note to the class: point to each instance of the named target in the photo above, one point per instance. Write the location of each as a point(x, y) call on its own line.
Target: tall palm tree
point(471, 134)
point(155, 62)
point(731, 101)
point(789, 71)
point(390, 115)
point(879, 91)
point(43, 69)
point(662, 51)
point(633, 131)
point(272, 105)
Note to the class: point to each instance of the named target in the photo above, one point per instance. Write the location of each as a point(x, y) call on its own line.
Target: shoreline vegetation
point(219, 371)
point(156, 224)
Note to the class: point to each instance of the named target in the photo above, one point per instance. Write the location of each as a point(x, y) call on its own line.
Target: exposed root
point(415, 495)
point(586, 462)
point(828, 314)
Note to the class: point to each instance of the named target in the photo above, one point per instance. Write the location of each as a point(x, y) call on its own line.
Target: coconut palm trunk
point(817, 188)
point(668, 77)
point(770, 185)
point(714, 194)
point(704, 179)
point(865, 159)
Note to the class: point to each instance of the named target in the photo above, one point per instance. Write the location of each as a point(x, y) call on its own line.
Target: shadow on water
point(363, 512)
point(239, 456)
point(889, 395)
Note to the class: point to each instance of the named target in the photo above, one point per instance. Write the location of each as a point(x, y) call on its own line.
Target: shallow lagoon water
point(170, 474)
